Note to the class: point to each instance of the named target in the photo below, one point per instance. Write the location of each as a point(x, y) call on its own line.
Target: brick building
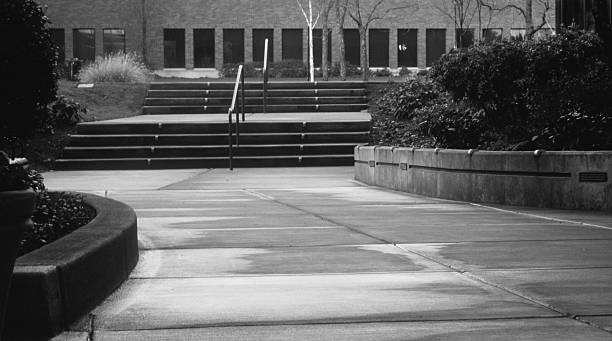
point(200, 34)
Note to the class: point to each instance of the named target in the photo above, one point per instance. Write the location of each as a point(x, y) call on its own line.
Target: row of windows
point(84, 42)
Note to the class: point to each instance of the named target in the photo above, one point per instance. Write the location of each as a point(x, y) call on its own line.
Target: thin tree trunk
point(324, 47)
point(310, 53)
point(529, 19)
point(364, 53)
point(340, 17)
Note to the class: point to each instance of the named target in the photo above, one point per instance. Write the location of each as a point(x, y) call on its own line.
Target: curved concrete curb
point(566, 180)
point(55, 285)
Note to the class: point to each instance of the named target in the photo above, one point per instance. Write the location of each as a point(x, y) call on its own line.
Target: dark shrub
point(64, 112)
point(382, 73)
point(28, 62)
point(15, 177)
point(351, 70)
point(289, 69)
point(249, 69)
point(404, 71)
point(401, 100)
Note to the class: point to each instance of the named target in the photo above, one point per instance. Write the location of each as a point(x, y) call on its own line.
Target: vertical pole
point(265, 77)
point(229, 137)
point(238, 125)
point(242, 96)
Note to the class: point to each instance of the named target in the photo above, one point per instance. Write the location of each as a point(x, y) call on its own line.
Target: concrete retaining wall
point(55, 285)
point(568, 180)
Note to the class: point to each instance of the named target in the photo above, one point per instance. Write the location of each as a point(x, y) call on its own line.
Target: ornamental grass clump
point(116, 67)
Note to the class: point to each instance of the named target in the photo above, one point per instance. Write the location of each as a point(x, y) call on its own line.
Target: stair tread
point(214, 146)
point(208, 157)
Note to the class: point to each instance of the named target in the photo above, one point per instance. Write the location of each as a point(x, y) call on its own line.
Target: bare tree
point(326, 6)
point(341, 9)
point(311, 24)
point(526, 11)
point(363, 17)
point(461, 13)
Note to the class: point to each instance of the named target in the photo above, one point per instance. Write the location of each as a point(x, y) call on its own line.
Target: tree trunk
point(364, 53)
point(340, 16)
point(324, 47)
point(529, 19)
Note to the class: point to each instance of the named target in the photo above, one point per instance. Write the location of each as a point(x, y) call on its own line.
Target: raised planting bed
point(566, 180)
point(55, 285)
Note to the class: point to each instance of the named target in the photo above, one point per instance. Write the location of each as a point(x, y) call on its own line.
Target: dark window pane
point(317, 46)
point(379, 47)
point(517, 34)
point(57, 35)
point(203, 48)
point(573, 13)
point(174, 48)
point(292, 44)
point(113, 40)
point(351, 46)
point(233, 46)
point(259, 43)
point(435, 40)
point(84, 44)
point(490, 35)
point(464, 38)
point(407, 47)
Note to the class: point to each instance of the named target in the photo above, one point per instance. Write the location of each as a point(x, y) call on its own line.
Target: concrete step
point(219, 128)
point(213, 109)
point(254, 85)
point(194, 93)
point(204, 151)
point(226, 101)
point(216, 139)
point(206, 162)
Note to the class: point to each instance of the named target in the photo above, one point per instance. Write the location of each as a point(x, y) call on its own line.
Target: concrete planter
point(57, 284)
point(565, 180)
point(16, 208)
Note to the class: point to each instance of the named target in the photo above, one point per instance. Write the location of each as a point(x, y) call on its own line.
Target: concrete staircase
point(186, 127)
point(215, 98)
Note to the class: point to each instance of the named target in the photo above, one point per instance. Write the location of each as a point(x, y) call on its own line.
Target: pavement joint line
point(254, 247)
point(332, 322)
point(279, 202)
point(561, 268)
point(543, 217)
point(186, 179)
point(309, 274)
point(474, 277)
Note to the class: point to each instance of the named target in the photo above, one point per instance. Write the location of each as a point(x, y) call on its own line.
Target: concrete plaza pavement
point(310, 254)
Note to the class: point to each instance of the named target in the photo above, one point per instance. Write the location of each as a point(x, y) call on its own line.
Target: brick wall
point(246, 14)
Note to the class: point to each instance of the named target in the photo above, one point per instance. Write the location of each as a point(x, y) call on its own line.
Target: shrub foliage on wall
point(552, 94)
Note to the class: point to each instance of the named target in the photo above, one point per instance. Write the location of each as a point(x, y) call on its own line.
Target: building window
point(317, 42)
point(57, 35)
point(259, 43)
point(203, 48)
point(292, 44)
point(407, 47)
point(435, 42)
point(517, 34)
point(351, 46)
point(573, 12)
point(490, 35)
point(113, 40)
point(233, 46)
point(379, 47)
point(464, 38)
point(174, 48)
point(84, 44)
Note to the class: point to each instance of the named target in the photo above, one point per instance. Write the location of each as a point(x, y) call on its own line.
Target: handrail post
point(242, 96)
point(229, 137)
point(265, 77)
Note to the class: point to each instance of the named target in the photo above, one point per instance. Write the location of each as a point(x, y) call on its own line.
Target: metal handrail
point(239, 85)
point(265, 77)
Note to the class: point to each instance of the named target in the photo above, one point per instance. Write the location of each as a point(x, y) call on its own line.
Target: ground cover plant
point(512, 95)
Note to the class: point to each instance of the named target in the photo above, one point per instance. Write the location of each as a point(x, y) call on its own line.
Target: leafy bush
point(15, 177)
point(401, 100)
point(530, 91)
point(56, 214)
point(382, 73)
point(28, 64)
point(404, 71)
point(249, 69)
point(64, 112)
point(115, 67)
point(351, 70)
point(289, 69)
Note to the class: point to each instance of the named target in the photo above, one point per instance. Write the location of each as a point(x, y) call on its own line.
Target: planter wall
point(567, 180)
point(57, 284)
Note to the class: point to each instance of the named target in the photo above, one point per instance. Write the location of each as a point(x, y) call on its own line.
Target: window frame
point(75, 42)
point(104, 43)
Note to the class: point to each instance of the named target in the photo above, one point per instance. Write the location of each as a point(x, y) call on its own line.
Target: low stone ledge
point(55, 285)
point(566, 180)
